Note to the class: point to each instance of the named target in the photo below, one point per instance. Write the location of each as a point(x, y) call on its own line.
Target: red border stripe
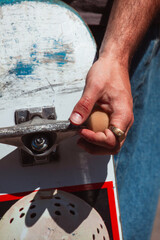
point(106, 185)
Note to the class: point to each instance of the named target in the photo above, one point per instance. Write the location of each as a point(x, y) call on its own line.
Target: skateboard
point(46, 50)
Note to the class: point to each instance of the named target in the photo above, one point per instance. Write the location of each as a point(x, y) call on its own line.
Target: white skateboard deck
point(46, 51)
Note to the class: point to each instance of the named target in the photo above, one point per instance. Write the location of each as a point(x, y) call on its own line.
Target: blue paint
point(49, 55)
point(33, 54)
point(57, 44)
point(33, 57)
point(22, 69)
point(59, 57)
point(34, 45)
point(57, 2)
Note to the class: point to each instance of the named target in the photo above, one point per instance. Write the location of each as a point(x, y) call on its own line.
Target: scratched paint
point(22, 69)
point(57, 2)
point(45, 51)
point(59, 57)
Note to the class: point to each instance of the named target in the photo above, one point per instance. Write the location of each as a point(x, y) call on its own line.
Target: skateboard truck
point(37, 134)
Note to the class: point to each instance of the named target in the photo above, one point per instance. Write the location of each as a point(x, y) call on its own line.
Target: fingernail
point(76, 118)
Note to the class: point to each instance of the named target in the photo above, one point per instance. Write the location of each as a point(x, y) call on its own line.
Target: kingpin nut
point(39, 143)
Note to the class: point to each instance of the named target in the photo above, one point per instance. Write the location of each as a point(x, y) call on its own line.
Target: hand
point(108, 85)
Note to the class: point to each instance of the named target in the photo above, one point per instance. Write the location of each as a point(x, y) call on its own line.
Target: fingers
point(111, 144)
point(122, 117)
point(122, 121)
point(108, 139)
point(84, 107)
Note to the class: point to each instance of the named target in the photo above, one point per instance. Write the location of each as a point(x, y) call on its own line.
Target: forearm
point(107, 82)
point(128, 23)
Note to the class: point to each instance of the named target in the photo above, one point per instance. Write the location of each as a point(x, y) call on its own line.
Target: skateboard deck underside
point(46, 51)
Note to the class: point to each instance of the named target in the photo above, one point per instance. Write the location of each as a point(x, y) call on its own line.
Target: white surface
point(77, 220)
point(45, 54)
point(45, 51)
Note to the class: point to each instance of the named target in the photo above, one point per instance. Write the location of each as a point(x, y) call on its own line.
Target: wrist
point(116, 54)
point(114, 73)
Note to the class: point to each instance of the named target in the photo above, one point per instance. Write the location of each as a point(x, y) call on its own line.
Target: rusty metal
point(24, 115)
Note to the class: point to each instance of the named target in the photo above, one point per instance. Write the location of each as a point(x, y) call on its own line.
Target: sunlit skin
point(107, 82)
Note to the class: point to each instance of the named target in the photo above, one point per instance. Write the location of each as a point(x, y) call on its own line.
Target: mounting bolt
point(21, 116)
point(52, 116)
point(22, 119)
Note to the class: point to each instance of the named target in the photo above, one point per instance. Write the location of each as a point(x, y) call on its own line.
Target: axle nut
point(39, 143)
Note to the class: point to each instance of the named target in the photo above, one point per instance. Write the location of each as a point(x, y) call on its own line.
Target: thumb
point(84, 107)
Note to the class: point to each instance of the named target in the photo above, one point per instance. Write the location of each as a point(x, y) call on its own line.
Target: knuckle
point(98, 86)
point(85, 104)
point(95, 83)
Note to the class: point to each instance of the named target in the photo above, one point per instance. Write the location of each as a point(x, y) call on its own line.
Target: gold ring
point(118, 133)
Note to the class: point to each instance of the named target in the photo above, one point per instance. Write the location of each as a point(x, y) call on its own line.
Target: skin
point(107, 82)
